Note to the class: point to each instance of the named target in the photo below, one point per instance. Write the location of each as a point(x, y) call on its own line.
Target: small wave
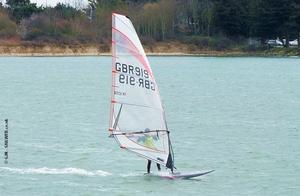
point(131, 174)
point(45, 170)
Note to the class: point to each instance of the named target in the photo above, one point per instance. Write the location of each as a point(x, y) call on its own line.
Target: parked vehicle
point(294, 43)
point(274, 43)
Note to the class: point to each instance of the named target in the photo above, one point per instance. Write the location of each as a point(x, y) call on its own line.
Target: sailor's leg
point(148, 166)
point(158, 166)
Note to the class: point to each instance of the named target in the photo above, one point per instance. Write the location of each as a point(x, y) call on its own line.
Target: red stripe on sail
point(134, 51)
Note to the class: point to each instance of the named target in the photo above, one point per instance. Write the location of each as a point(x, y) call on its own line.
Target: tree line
point(215, 23)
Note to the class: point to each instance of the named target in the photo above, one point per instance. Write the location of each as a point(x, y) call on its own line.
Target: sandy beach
point(161, 49)
point(158, 49)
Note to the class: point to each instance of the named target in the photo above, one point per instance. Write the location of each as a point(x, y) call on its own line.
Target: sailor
point(149, 166)
point(150, 144)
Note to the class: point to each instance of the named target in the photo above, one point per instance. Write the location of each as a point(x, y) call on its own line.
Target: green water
point(238, 116)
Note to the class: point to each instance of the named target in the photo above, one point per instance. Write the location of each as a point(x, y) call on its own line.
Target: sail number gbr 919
point(134, 76)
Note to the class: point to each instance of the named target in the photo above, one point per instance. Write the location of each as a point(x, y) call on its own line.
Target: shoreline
point(173, 49)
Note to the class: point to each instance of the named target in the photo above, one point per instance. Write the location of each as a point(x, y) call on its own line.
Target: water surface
point(238, 116)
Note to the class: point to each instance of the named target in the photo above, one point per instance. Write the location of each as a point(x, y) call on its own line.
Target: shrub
point(205, 42)
point(49, 27)
point(8, 28)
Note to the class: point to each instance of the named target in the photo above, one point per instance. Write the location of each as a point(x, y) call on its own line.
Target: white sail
point(137, 119)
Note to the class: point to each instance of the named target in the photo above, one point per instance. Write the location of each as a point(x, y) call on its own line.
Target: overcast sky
point(77, 3)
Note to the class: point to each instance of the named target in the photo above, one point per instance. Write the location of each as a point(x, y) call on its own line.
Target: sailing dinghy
point(137, 117)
